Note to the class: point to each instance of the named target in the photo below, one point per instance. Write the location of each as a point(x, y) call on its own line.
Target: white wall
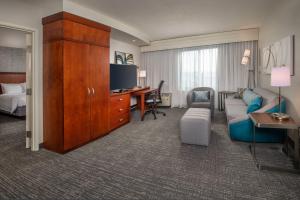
point(29, 14)
point(116, 45)
point(284, 21)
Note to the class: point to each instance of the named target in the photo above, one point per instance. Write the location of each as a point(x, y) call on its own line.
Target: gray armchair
point(210, 104)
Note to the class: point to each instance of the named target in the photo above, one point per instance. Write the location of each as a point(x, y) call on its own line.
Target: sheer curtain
point(216, 66)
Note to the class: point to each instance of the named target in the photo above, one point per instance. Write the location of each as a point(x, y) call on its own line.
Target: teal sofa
point(240, 126)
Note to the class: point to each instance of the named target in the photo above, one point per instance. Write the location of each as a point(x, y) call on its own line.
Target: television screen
point(123, 76)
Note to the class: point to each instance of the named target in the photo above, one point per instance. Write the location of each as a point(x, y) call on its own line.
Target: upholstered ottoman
point(195, 126)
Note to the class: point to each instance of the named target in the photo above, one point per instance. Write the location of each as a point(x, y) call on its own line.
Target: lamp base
point(280, 116)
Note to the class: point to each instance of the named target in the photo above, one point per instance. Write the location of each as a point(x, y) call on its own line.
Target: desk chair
point(152, 100)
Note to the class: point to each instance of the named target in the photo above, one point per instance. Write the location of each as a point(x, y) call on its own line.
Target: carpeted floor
point(142, 160)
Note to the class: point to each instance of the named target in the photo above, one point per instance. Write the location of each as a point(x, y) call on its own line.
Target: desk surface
point(265, 120)
point(130, 91)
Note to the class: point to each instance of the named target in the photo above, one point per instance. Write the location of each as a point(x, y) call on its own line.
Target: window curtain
point(216, 66)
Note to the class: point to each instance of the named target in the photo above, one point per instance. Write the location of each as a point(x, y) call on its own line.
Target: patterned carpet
point(142, 160)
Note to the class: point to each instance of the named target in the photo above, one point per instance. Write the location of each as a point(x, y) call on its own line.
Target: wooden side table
point(222, 95)
point(265, 120)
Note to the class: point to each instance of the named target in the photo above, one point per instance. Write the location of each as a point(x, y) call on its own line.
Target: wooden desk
point(120, 105)
point(265, 120)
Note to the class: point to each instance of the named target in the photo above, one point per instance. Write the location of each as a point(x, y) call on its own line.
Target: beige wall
point(116, 45)
point(284, 21)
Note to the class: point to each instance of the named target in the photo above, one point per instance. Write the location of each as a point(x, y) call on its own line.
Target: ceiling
point(165, 19)
point(125, 37)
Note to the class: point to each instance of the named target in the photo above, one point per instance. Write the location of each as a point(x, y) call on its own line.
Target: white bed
point(13, 103)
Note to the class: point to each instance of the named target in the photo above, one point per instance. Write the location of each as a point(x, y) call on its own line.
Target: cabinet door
point(76, 94)
point(99, 74)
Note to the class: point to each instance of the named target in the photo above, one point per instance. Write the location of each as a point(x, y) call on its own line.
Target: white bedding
point(10, 102)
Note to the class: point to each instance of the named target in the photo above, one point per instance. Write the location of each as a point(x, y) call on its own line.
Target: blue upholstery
point(240, 126)
point(249, 96)
point(254, 105)
point(200, 96)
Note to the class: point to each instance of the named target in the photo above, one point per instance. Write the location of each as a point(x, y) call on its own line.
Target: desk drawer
point(120, 100)
point(119, 109)
point(118, 120)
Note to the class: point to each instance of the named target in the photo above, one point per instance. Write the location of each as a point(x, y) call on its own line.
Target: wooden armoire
point(75, 81)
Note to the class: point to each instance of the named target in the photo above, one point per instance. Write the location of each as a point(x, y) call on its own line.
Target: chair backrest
point(159, 88)
point(190, 94)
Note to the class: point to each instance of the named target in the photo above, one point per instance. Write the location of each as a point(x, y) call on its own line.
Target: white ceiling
point(12, 38)
point(164, 19)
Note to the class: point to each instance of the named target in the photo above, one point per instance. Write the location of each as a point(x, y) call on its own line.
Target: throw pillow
point(249, 96)
point(200, 96)
point(254, 105)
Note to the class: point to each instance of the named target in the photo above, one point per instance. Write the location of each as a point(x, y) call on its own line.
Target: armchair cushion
point(201, 96)
point(204, 104)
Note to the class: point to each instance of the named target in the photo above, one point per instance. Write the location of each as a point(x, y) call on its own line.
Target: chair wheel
point(164, 114)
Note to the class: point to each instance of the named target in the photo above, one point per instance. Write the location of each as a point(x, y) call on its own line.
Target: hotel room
point(110, 99)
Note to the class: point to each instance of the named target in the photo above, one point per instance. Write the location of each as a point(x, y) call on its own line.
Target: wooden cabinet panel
point(99, 74)
point(80, 32)
point(52, 93)
point(76, 94)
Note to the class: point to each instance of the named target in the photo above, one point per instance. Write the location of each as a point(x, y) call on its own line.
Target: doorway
point(16, 107)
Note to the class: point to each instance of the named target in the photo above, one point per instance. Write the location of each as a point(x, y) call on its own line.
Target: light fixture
point(280, 77)
point(142, 76)
point(247, 53)
point(246, 61)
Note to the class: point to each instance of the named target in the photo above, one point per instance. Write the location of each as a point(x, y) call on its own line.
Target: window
point(198, 68)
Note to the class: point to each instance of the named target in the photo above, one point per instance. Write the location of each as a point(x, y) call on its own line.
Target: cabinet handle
point(120, 99)
point(89, 91)
point(121, 109)
point(93, 90)
point(121, 119)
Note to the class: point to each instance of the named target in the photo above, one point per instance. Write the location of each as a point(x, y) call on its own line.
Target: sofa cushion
point(236, 111)
point(200, 96)
point(231, 101)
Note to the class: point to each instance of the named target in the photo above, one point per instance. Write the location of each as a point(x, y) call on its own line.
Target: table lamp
point(142, 75)
point(280, 77)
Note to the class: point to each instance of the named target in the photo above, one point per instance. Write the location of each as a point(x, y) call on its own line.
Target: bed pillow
point(11, 88)
point(200, 96)
point(23, 85)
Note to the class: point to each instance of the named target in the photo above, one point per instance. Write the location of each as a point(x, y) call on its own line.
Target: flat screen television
point(123, 76)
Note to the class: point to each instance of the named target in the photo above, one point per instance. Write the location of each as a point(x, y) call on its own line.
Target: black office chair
point(152, 100)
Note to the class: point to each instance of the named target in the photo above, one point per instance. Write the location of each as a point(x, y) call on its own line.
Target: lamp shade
point(142, 74)
point(245, 60)
point(247, 53)
point(280, 76)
